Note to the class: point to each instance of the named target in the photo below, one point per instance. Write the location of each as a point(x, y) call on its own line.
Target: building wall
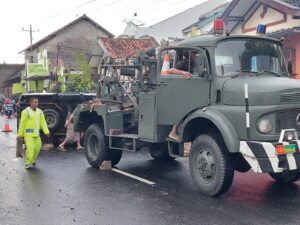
point(292, 42)
point(80, 36)
point(274, 18)
point(172, 27)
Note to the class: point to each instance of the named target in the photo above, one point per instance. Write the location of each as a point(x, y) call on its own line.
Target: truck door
point(177, 96)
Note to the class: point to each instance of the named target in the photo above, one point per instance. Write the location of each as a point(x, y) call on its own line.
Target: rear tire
point(286, 176)
point(96, 150)
point(159, 151)
point(52, 118)
point(96, 147)
point(210, 165)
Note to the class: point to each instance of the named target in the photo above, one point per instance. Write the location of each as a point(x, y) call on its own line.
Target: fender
point(220, 121)
point(83, 117)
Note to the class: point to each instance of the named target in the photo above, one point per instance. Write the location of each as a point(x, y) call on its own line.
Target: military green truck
point(239, 109)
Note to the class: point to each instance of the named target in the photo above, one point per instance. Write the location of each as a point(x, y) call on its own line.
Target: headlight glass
point(264, 126)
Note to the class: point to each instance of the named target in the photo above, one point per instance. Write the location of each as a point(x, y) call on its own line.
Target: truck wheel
point(210, 165)
point(159, 151)
point(52, 118)
point(286, 176)
point(96, 150)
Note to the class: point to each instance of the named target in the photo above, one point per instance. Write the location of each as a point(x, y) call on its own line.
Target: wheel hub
point(206, 165)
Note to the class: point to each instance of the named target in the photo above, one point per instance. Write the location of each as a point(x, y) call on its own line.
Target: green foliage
point(80, 82)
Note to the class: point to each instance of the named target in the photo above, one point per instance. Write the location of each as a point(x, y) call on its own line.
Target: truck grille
point(288, 98)
point(288, 120)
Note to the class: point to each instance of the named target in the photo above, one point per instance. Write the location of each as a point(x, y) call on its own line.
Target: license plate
point(285, 149)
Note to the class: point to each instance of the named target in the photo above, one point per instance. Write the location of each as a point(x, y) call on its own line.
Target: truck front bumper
point(263, 157)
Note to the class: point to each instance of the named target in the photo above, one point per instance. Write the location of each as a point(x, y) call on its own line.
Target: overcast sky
point(48, 16)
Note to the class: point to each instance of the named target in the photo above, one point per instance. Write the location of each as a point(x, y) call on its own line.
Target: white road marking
point(133, 176)
point(16, 159)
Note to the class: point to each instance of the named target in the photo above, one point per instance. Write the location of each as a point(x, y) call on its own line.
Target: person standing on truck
point(182, 68)
point(32, 120)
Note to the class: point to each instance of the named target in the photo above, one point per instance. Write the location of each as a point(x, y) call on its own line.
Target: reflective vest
point(31, 123)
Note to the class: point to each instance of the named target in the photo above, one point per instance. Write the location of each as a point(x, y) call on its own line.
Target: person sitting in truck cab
point(182, 68)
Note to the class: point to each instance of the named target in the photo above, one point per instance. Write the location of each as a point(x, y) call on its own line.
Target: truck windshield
point(250, 56)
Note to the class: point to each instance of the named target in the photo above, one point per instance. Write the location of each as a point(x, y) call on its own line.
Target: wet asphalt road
point(64, 190)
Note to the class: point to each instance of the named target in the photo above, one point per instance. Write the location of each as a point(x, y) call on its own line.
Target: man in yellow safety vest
point(32, 120)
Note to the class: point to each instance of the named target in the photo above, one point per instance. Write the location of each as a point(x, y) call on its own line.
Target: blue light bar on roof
point(261, 29)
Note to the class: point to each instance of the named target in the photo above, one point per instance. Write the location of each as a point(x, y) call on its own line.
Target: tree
point(82, 81)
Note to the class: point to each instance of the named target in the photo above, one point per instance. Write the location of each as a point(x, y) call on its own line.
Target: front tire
point(286, 176)
point(210, 165)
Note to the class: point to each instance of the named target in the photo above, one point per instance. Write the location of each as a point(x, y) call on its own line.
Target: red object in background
point(6, 126)
point(7, 101)
point(218, 24)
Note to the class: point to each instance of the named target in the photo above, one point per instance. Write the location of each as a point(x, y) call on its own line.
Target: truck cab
point(239, 109)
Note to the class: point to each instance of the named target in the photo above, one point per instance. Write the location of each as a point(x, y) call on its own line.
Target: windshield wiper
point(243, 72)
point(278, 74)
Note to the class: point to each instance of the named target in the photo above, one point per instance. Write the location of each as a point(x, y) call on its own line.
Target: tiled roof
point(121, 48)
point(295, 3)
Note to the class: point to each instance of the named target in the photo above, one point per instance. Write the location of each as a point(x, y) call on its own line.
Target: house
point(7, 71)
point(281, 17)
point(171, 28)
point(118, 51)
point(204, 24)
point(59, 50)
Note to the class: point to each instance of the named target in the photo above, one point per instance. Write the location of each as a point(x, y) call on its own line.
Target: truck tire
point(96, 148)
point(286, 176)
point(52, 118)
point(159, 151)
point(210, 165)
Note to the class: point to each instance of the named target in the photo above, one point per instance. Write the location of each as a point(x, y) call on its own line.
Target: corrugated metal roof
point(122, 48)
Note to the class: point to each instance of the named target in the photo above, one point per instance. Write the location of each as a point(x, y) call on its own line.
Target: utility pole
point(31, 54)
point(30, 33)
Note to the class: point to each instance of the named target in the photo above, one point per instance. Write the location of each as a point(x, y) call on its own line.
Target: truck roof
point(211, 40)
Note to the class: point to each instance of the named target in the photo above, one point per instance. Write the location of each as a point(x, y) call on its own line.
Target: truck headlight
point(264, 126)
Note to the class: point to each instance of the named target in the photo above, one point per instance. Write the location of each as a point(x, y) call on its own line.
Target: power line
point(69, 10)
point(154, 2)
point(105, 6)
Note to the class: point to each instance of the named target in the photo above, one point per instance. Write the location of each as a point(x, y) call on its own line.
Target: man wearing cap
point(32, 120)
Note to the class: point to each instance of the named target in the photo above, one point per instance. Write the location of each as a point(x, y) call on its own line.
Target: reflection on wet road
point(64, 189)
